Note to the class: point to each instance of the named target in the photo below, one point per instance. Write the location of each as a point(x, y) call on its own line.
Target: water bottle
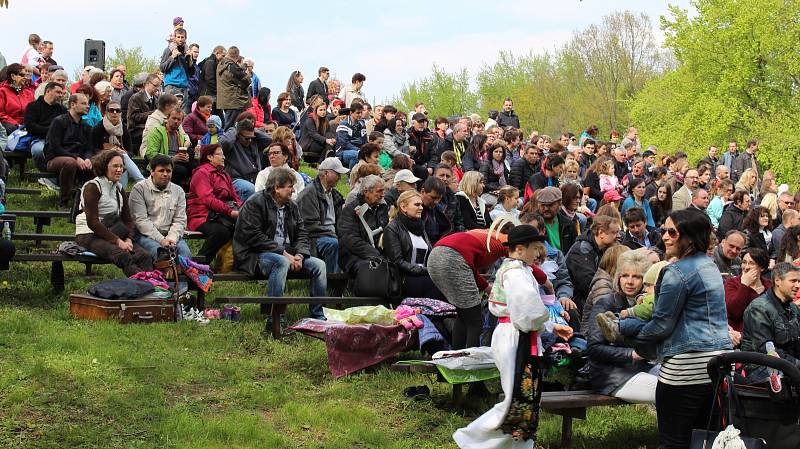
point(6, 231)
point(774, 375)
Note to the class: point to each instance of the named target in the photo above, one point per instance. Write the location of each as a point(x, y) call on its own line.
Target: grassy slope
point(72, 383)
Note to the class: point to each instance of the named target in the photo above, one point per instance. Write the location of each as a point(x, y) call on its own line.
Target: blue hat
point(214, 120)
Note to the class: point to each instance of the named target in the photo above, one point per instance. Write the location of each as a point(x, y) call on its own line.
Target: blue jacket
point(689, 312)
point(630, 203)
point(350, 135)
point(176, 70)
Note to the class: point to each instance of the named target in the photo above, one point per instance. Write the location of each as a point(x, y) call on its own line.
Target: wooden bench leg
point(57, 276)
point(277, 311)
point(458, 395)
point(566, 431)
point(88, 269)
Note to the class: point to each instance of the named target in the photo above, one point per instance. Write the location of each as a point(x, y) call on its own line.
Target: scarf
point(114, 132)
point(569, 214)
point(413, 226)
point(499, 169)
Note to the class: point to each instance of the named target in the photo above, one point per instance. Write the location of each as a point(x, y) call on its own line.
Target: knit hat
point(214, 120)
point(177, 20)
point(651, 276)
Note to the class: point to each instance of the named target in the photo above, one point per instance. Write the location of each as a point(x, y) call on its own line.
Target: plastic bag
point(361, 314)
point(223, 263)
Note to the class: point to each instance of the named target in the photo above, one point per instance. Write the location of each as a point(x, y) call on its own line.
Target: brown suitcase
point(147, 309)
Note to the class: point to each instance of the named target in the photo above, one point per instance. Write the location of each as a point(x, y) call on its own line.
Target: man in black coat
point(270, 239)
point(320, 85)
point(522, 169)
point(208, 74)
point(361, 225)
point(140, 106)
point(40, 113)
point(508, 117)
point(638, 236)
point(321, 205)
point(449, 203)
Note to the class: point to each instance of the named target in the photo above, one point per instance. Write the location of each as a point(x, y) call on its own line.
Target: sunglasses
point(114, 110)
point(673, 233)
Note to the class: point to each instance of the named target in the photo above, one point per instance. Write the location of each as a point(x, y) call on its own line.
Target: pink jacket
point(608, 183)
point(209, 191)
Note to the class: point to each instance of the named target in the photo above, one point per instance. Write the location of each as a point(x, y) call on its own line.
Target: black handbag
point(704, 438)
point(379, 278)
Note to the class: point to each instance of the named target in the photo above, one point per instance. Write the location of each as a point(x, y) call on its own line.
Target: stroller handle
point(720, 364)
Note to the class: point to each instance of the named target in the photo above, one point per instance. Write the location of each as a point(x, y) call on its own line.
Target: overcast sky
point(392, 44)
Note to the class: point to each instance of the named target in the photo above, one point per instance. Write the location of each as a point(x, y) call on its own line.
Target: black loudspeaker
point(94, 53)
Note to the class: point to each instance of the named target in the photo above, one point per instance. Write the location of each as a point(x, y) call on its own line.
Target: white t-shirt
point(420, 249)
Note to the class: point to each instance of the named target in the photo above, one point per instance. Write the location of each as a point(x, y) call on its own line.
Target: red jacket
point(472, 247)
point(209, 190)
point(13, 104)
point(195, 126)
point(737, 297)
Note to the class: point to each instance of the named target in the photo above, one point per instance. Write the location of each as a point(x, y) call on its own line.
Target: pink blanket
point(353, 347)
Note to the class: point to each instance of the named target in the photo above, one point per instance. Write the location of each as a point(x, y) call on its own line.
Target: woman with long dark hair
point(283, 115)
point(636, 199)
point(475, 153)
point(757, 226)
point(295, 89)
point(317, 138)
point(790, 245)
point(689, 326)
point(661, 204)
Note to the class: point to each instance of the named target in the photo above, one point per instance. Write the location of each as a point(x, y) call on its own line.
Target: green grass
point(73, 383)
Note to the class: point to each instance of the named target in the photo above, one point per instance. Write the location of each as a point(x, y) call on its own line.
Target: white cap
point(405, 175)
point(333, 163)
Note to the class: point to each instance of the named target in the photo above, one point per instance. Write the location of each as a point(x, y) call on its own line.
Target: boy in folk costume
point(517, 350)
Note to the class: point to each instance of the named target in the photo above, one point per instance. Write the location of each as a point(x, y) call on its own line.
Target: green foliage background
point(730, 69)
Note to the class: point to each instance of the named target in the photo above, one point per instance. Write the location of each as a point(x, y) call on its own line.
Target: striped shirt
point(688, 368)
point(479, 219)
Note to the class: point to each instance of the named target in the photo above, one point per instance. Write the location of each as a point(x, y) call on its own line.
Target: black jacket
point(255, 232)
point(318, 87)
point(592, 181)
point(208, 76)
point(425, 142)
point(583, 258)
point(610, 365)
point(397, 248)
point(539, 181)
point(521, 172)
point(444, 219)
point(630, 242)
point(67, 138)
point(244, 162)
point(756, 240)
point(100, 136)
point(491, 178)
point(732, 218)
point(314, 209)
point(621, 169)
point(298, 96)
point(768, 319)
point(354, 244)
point(506, 119)
point(468, 214)
point(312, 141)
point(39, 115)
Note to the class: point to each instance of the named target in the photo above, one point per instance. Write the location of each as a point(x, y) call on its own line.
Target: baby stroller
point(755, 409)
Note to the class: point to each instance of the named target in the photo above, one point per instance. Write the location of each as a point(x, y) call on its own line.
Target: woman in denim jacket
point(689, 325)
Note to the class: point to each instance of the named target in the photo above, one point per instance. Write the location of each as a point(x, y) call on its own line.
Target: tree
point(444, 94)
point(737, 77)
point(133, 59)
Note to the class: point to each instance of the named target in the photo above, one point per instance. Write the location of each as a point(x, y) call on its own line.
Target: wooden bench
point(278, 304)
point(18, 158)
point(567, 404)
point(57, 265)
point(21, 191)
point(41, 218)
point(23, 236)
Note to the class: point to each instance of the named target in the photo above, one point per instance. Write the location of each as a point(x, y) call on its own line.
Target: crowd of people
point(657, 262)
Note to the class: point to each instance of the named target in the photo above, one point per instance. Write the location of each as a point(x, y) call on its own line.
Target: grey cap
point(139, 79)
point(548, 195)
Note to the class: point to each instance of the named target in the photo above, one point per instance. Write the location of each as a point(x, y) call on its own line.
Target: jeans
point(680, 409)
point(591, 203)
point(230, 117)
point(37, 152)
point(630, 327)
point(132, 171)
point(348, 157)
point(328, 250)
point(181, 92)
point(244, 188)
point(151, 246)
point(276, 268)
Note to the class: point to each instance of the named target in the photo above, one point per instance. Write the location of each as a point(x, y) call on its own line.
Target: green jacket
point(157, 142)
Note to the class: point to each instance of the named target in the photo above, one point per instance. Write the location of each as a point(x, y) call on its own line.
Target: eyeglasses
point(275, 153)
point(248, 138)
point(673, 233)
point(114, 110)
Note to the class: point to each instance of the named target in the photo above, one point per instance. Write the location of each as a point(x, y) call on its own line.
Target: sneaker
point(609, 325)
point(47, 182)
